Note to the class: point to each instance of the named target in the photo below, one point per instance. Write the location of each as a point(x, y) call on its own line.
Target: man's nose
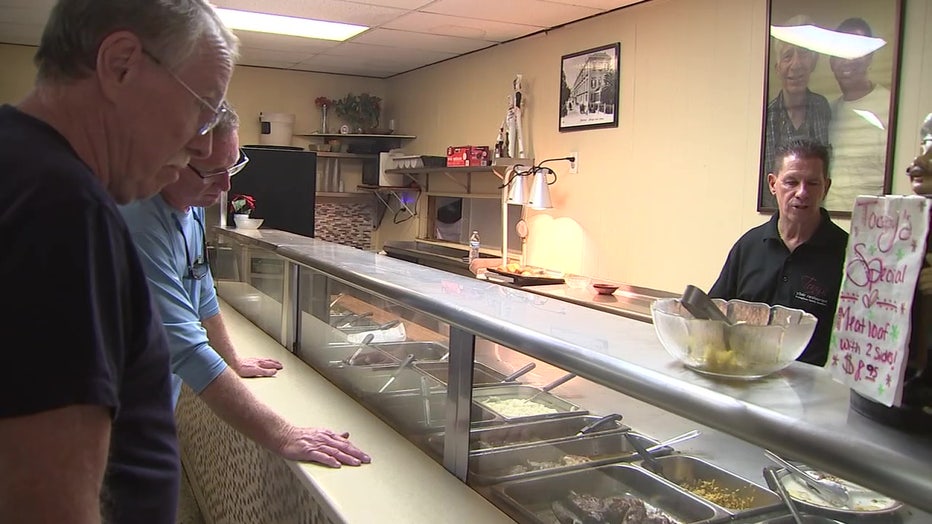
point(224, 181)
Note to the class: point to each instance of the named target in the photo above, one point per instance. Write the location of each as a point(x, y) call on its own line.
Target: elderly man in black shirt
point(796, 258)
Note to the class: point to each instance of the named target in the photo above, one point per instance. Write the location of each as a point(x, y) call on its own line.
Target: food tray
point(890, 515)
point(563, 407)
point(504, 464)
point(367, 380)
point(396, 351)
point(530, 500)
point(524, 280)
point(683, 469)
point(482, 375)
point(406, 411)
point(521, 434)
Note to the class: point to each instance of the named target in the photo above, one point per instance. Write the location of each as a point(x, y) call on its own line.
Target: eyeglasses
point(216, 113)
point(232, 170)
point(198, 267)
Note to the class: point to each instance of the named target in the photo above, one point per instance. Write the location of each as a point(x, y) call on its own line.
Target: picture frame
point(845, 102)
point(589, 88)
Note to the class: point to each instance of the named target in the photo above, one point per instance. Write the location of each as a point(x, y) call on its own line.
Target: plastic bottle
point(473, 246)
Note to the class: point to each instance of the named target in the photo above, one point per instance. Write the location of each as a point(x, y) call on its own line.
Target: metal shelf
point(450, 170)
point(356, 135)
point(356, 156)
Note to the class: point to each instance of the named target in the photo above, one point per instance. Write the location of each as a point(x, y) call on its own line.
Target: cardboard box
point(468, 156)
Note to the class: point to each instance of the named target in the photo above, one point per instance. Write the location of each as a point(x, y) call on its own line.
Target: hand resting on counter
point(257, 367)
point(322, 446)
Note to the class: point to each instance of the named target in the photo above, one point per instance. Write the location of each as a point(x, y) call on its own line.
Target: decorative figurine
point(510, 141)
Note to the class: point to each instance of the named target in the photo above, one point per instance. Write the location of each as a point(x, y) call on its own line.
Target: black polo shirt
point(760, 268)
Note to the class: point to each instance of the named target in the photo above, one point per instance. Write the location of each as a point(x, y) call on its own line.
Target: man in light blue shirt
point(168, 230)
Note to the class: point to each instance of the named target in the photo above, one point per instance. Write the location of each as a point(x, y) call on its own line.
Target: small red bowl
point(605, 289)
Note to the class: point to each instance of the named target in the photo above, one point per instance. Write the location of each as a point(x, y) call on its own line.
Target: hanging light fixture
point(518, 192)
point(539, 197)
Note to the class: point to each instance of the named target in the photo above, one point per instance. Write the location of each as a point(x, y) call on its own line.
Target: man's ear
point(772, 183)
point(119, 59)
point(828, 185)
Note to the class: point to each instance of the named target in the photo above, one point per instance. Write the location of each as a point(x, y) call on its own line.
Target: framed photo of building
point(589, 88)
point(832, 73)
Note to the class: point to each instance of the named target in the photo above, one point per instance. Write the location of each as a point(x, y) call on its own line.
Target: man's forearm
point(220, 340)
point(229, 398)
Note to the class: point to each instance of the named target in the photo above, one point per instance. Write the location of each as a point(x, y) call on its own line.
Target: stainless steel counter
point(800, 412)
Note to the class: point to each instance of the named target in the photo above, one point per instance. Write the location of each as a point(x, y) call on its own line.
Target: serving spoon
point(828, 490)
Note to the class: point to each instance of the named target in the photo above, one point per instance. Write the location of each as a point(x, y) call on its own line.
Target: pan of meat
point(606, 494)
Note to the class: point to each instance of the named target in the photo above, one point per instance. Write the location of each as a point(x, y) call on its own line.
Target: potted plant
point(361, 111)
point(242, 205)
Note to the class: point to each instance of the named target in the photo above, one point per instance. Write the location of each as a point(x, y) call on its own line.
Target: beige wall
point(659, 200)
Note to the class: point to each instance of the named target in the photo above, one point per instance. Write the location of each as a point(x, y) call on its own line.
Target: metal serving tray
point(563, 407)
point(393, 352)
point(531, 433)
point(505, 464)
point(684, 469)
point(367, 380)
point(482, 375)
point(530, 500)
point(406, 411)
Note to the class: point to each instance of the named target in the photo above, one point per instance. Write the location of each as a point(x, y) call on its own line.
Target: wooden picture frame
point(589, 88)
point(811, 89)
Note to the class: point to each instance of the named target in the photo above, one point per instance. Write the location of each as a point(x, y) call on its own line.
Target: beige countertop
point(400, 485)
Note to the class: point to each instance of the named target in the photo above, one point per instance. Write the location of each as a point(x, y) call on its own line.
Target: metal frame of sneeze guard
point(801, 413)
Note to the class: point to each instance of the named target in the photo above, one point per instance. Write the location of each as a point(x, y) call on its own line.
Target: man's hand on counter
point(257, 367)
point(322, 446)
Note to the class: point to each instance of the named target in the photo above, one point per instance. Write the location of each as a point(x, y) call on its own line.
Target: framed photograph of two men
point(832, 73)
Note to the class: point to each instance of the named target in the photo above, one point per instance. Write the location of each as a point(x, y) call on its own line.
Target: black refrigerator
point(283, 181)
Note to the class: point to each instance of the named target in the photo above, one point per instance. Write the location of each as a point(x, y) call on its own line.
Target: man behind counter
point(796, 258)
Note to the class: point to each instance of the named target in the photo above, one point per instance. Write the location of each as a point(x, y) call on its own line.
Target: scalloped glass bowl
point(247, 223)
point(762, 340)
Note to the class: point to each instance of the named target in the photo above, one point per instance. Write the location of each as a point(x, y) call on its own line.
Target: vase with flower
point(241, 206)
point(323, 103)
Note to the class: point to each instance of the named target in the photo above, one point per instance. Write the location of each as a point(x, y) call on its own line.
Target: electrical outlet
point(574, 165)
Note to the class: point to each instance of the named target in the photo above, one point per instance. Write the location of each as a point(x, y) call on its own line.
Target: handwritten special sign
point(870, 337)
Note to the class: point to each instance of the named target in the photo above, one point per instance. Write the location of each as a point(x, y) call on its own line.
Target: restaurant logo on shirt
point(812, 291)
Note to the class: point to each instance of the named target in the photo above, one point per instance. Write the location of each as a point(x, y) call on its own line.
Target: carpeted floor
point(188, 512)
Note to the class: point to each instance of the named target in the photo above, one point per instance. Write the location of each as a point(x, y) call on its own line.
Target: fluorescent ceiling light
point(828, 42)
point(288, 25)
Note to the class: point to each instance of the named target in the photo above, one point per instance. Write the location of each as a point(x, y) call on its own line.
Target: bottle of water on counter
point(473, 246)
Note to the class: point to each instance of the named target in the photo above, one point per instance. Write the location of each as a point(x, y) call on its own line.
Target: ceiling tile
point(409, 40)
point(253, 55)
point(605, 5)
point(531, 12)
point(24, 34)
point(462, 27)
point(283, 42)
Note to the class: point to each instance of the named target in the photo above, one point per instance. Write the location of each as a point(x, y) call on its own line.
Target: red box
point(468, 156)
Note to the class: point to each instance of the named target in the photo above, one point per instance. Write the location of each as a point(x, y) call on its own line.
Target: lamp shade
point(517, 194)
point(540, 191)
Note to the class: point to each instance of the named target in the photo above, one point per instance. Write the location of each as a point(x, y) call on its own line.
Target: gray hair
point(229, 120)
point(170, 29)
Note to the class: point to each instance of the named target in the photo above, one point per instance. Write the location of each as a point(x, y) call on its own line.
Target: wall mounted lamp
point(514, 173)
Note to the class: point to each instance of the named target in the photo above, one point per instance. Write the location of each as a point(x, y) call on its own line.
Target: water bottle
point(473, 246)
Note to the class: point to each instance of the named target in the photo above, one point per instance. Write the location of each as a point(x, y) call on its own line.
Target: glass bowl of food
point(758, 340)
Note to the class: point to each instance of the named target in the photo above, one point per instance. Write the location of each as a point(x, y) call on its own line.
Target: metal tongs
point(826, 489)
point(701, 306)
point(401, 367)
point(524, 369)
